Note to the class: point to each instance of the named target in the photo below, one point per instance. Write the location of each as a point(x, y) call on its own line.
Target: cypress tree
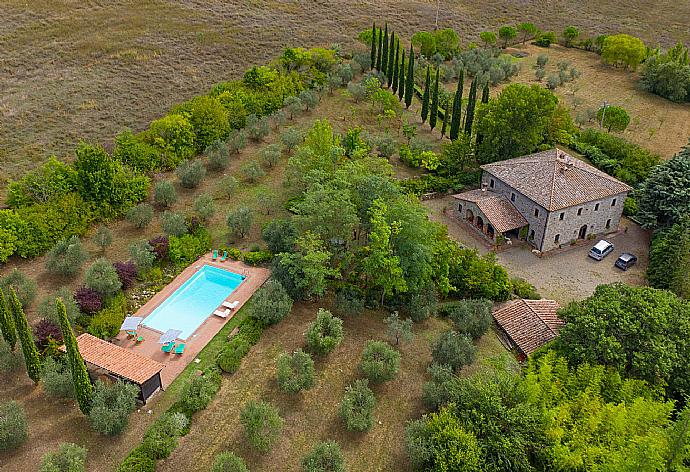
point(83, 390)
point(469, 114)
point(9, 333)
point(373, 45)
point(409, 86)
point(391, 60)
point(434, 104)
point(401, 77)
point(457, 108)
point(425, 97)
point(379, 51)
point(485, 92)
point(396, 67)
point(31, 358)
point(445, 122)
point(384, 54)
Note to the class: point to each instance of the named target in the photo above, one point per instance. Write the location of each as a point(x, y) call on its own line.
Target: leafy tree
point(295, 371)
point(141, 215)
point(24, 286)
point(639, 330)
point(507, 33)
point(111, 406)
point(325, 333)
point(280, 235)
point(488, 38)
point(271, 303)
point(324, 457)
point(13, 430)
point(262, 424)
point(409, 86)
point(68, 458)
point(96, 172)
point(425, 97)
point(204, 207)
point(308, 265)
point(103, 237)
point(457, 154)
point(664, 197)
point(328, 212)
point(447, 42)
point(228, 462)
point(623, 49)
point(57, 378)
point(399, 329)
point(102, 277)
point(164, 194)
point(190, 173)
point(527, 30)
point(453, 349)
point(434, 104)
point(380, 362)
point(83, 390)
point(173, 224)
point(457, 107)
point(471, 317)
point(239, 221)
point(471, 104)
point(425, 42)
point(208, 117)
point(614, 118)
point(7, 328)
point(570, 34)
point(357, 406)
point(669, 260)
point(514, 123)
point(667, 78)
point(32, 360)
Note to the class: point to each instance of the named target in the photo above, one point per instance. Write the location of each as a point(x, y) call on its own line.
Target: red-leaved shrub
point(127, 272)
point(160, 246)
point(89, 300)
point(44, 330)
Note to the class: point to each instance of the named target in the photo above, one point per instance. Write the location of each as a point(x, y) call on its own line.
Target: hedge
point(106, 323)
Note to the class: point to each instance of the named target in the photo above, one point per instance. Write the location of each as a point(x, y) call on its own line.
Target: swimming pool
point(194, 301)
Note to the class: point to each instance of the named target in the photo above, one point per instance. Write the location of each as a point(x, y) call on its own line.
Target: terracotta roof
point(529, 323)
point(554, 179)
point(502, 215)
point(120, 361)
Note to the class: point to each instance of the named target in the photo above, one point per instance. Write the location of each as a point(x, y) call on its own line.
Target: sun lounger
point(130, 333)
point(179, 349)
point(168, 347)
point(215, 254)
point(139, 339)
point(232, 305)
point(222, 313)
point(225, 256)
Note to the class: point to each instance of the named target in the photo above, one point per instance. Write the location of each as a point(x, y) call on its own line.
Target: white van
point(600, 250)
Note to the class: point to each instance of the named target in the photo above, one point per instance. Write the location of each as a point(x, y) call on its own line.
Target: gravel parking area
point(566, 275)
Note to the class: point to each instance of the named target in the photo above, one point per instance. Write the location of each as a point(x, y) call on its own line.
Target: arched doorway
point(583, 232)
point(480, 223)
point(469, 216)
point(490, 231)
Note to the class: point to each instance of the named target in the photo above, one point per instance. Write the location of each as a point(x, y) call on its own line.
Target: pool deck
point(174, 363)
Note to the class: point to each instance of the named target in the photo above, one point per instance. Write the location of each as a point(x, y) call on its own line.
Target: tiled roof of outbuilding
point(529, 323)
point(502, 215)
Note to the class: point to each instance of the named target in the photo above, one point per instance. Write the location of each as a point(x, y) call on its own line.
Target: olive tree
point(69, 457)
point(271, 303)
point(66, 257)
point(357, 406)
point(190, 173)
point(13, 426)
point(380, 362)
point(295, 371)
point(164, 194)
point(239, 221)
point(102, 277)
point(325, 333)
point(141, 215)
point(262, 424)
point(453, 349)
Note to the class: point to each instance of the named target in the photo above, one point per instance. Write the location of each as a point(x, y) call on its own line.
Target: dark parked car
point(626, 260)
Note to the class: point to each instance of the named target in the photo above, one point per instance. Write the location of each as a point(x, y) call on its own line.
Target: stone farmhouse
point(549, 199)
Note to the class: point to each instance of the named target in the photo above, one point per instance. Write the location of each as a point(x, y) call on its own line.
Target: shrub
point(270, 155)
point(255, 258)
point(471, 317)
point(240, 221)
point(208, 117)
point(161, 246)
point(47, 310)
point(57, 378)
point(24, 286)
point(386, 146)
point(236, 141)
point(204, 207)
point(230, 357)
point(380, 362)
point(545, 40)
point(142, 255)
point(262, 424)
point(271, 303)
point(325, 333)
point(9, 360)
point(228, 462)
point(524, 289)
point(46, 332)
point(88, 299)
point(141, 215)
point(66, 257)
point(173, 224)
point(357, 406)
point(137, 461)
point(295, 371)
point(252, 171)
point(453, 349)
point(218, 156)
point(251, 329)
point(106, 323)
point(198, 393)
point(291, 138)
point(127, 271)
point(190, 173)
point(103, 237)
point(187, 248)
point(161, 438)
point(257, 128)
point(102, 277)
point(68, 458)
point(324, 457)
point(349, 300)
point(164, 194)
point(13, 429)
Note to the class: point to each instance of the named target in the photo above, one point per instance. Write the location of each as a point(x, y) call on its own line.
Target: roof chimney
point(484, 186)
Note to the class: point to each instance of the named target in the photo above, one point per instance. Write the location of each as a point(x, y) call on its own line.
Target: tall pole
point(603, 114)
point(438, 9)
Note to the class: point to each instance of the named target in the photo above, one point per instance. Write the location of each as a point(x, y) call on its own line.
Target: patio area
point(176, 363)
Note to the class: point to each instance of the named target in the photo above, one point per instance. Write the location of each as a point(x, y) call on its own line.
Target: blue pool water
point(189, 306)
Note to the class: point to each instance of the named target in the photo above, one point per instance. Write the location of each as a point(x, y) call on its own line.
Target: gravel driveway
point(563, 276)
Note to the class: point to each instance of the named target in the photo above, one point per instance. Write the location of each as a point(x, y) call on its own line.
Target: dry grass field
point(75, 69)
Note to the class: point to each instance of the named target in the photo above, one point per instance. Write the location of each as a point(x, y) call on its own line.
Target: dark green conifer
point(396, 67)
point(446, 112)
point(401, 77)
point(434, 104)
point(485, 92)
point(83, 390)
point(379, 51)
point(391, 60)
point(471, 103)
point(425, 97)
point(32, 360)
point(409, 86)
point(384, 54)
point(373, 45)
point(9, 333)
point(457, 108)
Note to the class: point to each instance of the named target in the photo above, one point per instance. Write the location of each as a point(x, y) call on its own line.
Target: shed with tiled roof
point(527, 325)
point(104, 358)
